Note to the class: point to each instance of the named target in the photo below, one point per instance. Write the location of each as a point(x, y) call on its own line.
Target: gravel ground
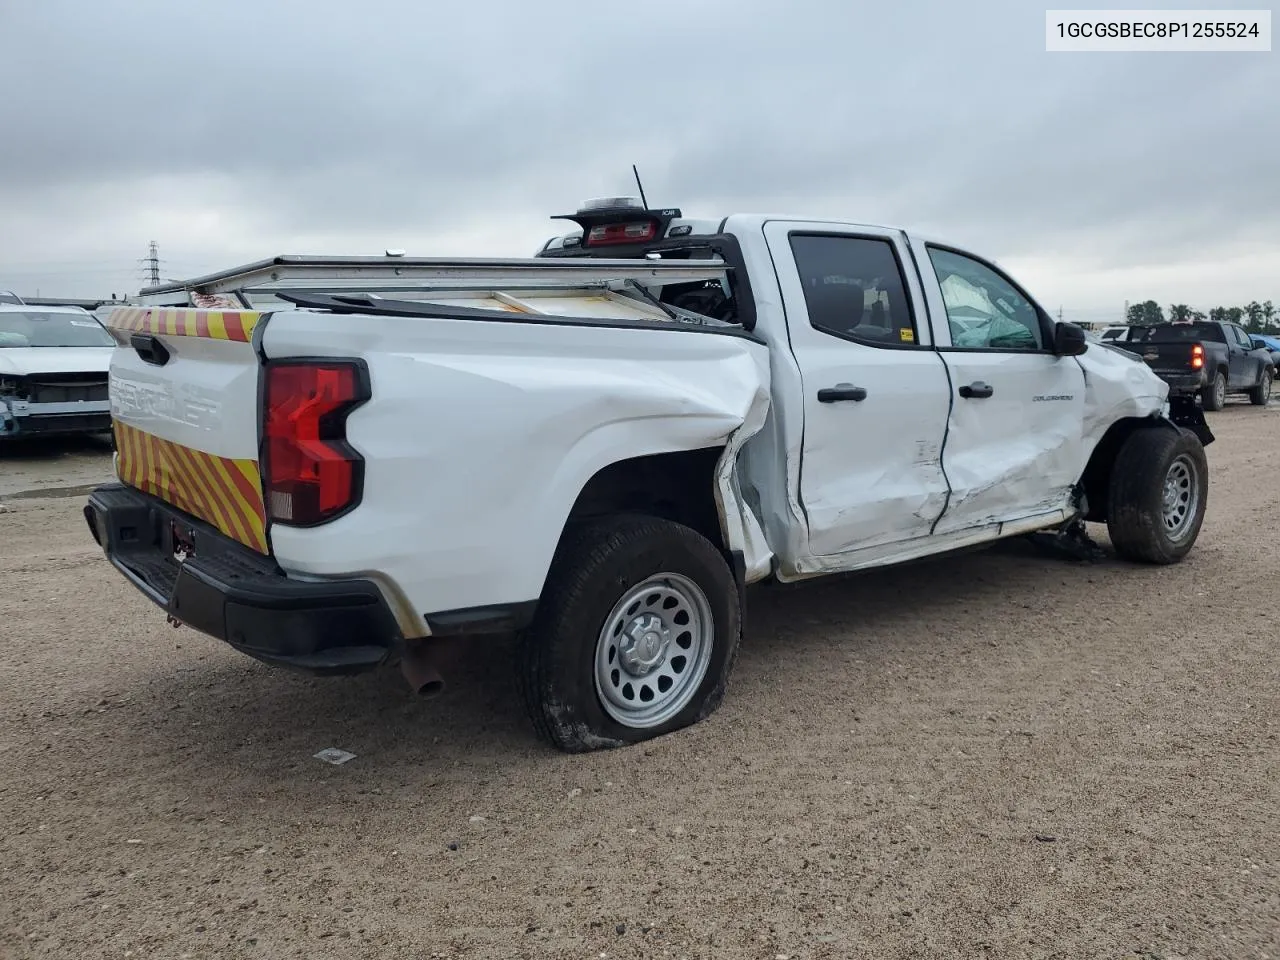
point(1005, 755)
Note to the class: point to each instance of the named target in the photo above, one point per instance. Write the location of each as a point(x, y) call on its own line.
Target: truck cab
point(973, 398)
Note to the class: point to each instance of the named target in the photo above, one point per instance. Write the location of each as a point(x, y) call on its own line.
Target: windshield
point(1178, 333)
point(35, 328)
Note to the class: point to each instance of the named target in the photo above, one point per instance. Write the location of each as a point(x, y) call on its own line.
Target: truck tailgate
point(1163, 357)
point(184, 389)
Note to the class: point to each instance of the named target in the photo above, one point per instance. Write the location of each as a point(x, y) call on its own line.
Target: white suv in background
point(54, 364)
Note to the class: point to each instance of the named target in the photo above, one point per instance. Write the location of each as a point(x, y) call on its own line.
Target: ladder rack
point(431, 279)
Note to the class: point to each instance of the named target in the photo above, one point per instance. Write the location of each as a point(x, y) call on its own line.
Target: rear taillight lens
point(310, 473)
point(1197, 356)
point(621, 233)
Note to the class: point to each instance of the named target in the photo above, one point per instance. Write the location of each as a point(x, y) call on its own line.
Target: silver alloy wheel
point(1219, 390)
point(1265, 386)
point(1180, 501)
point(653, 651)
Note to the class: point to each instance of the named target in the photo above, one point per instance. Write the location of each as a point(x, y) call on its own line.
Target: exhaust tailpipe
point(418, 664)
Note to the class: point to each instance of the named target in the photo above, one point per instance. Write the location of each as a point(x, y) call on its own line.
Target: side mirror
point(1069, 340)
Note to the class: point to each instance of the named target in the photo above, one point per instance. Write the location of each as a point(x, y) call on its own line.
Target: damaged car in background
point(53, 372)
point(600, 447)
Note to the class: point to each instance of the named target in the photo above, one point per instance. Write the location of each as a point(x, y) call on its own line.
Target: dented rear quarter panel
point(480, 435)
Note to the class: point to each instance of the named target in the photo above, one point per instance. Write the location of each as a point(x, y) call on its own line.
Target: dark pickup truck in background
point(1207, 357)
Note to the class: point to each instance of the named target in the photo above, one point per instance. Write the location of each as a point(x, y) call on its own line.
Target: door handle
point(977, 390)
point(841, 391)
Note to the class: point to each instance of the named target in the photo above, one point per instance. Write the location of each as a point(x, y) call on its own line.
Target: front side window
point(984, 310)
point(853, 288)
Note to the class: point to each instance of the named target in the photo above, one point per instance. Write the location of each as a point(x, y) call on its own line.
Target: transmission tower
point(152, 263)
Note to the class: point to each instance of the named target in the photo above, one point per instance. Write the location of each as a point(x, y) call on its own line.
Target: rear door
point(1015, 442)
point(1246, 364)
point(184, 401)
point(875, 393)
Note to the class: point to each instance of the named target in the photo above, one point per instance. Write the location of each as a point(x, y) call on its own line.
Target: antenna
point(640, 185)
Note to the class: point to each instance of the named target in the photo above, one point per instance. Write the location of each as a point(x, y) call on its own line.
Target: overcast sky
point(230, 131)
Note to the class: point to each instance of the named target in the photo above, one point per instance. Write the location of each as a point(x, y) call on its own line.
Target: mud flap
point(738, 564)
point(1184, 413)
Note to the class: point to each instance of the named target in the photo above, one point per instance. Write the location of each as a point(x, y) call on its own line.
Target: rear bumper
point(230, 592)
point(1183, 383)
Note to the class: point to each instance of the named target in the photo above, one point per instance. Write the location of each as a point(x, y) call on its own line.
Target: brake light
point(621, 233)
point(310, 473)
point(1197, 356)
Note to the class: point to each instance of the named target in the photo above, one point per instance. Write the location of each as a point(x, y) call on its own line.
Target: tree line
point(1255, 317)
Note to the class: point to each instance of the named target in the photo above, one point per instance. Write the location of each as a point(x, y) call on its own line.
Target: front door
point(1015, 444)
point(875, 395)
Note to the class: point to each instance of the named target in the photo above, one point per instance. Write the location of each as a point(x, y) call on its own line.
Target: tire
point(575, 670)
point(1141, 527)
point(1261, 394)
point(1214, 396)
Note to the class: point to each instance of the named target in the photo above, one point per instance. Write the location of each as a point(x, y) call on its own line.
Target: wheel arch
point(675, 485)
point(1095, 482)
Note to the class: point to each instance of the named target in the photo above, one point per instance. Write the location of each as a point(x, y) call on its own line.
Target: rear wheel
point(1261, 394)
point(635, 635)
point(1214, 396)
point(1159, 490)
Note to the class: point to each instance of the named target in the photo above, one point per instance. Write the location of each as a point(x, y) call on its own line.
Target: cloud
point(234, 131)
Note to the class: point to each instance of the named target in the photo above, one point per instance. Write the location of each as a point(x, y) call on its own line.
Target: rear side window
point(1180, 333)
point(854, 289)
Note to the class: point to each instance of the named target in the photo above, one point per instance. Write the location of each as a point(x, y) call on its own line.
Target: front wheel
point(1159, 490)
point(1261, 394)
point(634, 637)
point(1214, 396)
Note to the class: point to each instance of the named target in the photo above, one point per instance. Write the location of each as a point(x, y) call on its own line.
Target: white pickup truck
point(331, 463)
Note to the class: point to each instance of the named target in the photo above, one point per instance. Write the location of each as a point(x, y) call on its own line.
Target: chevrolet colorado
point(330, 463)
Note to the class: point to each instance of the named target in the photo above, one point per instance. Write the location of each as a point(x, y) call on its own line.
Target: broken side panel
point(1015, 446)
point(874, 396)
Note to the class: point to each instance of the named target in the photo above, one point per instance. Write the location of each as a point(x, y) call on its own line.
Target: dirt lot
point(1001, 756)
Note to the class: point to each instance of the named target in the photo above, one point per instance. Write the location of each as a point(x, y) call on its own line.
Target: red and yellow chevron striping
point(226, 493)
point(185, 322)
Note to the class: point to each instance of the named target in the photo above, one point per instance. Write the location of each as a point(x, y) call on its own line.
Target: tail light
point(1197, 356)
point(310, 473)
point(621, 233)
